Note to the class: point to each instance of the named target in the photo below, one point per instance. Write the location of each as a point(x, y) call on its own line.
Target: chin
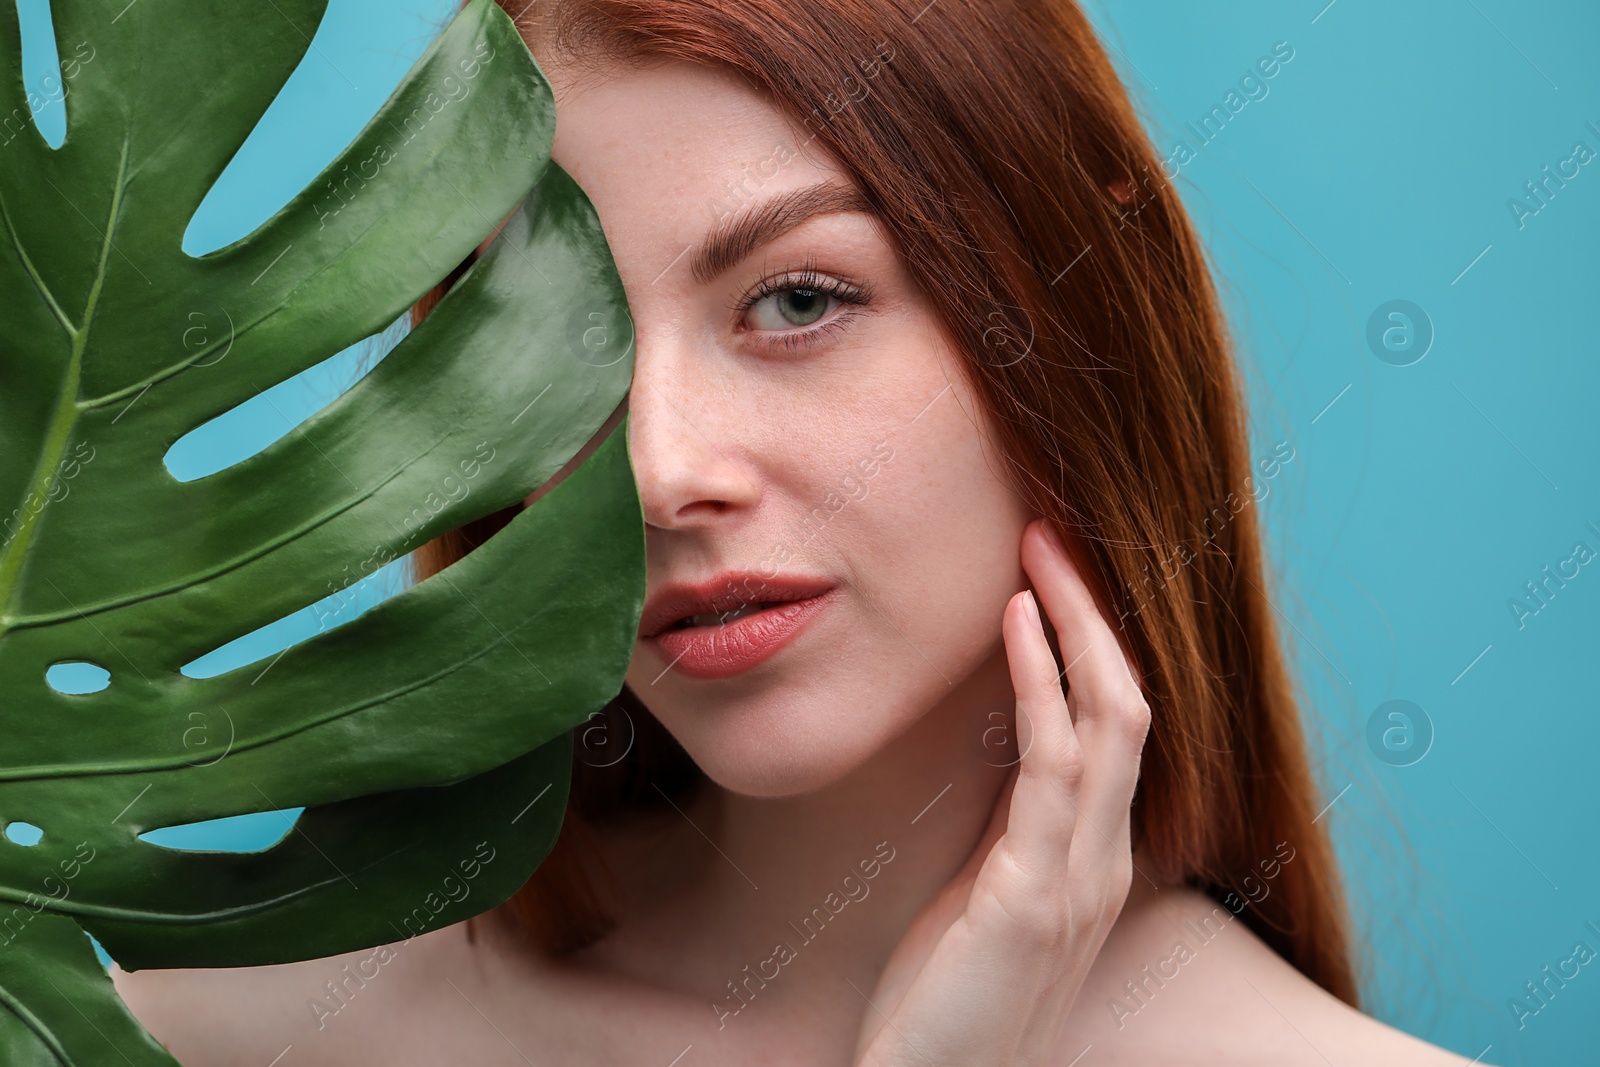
point(784, 744)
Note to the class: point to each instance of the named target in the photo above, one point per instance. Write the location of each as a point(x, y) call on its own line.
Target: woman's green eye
point(794, 307)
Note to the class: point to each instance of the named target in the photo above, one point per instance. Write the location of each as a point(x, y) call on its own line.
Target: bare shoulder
point(330, 1010)
point(1181, 979)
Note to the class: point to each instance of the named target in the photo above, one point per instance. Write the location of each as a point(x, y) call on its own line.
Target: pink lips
point(768, 612)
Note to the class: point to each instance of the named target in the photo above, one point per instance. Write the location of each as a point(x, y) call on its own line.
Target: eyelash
point(808, 279)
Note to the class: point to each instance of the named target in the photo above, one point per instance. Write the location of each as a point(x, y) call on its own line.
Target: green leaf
point(60, 1007)
point(427, 734)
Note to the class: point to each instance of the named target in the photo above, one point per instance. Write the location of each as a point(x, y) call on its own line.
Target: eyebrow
point(769, 220)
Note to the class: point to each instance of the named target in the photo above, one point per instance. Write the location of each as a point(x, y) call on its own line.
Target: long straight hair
point(1001, 153)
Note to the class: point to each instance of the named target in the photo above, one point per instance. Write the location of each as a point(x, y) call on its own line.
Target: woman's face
point(801, 434)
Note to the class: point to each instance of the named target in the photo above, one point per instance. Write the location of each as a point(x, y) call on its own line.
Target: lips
point(718, 628)
point(723, 596)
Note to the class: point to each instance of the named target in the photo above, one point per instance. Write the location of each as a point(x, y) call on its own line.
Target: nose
point(687, 456)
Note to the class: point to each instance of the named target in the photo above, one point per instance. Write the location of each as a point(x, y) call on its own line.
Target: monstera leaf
point(428, 739)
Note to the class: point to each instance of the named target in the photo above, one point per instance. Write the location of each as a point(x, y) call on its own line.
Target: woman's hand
point(988, 971)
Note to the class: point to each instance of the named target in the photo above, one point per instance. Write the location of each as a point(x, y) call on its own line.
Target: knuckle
point(1029, 910)
point(1066, 765)
point(1121, 883)
point(1013, 898)
point(1136, 719)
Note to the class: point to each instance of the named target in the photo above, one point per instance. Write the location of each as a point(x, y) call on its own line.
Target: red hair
point(995, 143)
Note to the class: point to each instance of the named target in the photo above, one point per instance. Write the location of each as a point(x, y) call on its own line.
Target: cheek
point(924, 539)
point(942, 533)
point(928, 558)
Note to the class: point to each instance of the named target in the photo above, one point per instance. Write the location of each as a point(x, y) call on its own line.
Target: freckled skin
point(735, 442)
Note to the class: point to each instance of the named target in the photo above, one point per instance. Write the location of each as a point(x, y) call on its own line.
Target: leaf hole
point(76, 677)
point(23, 833)
point(256, 831)
point(42, 70)
point(363, 589)
point(241, 432)
point(354, 62)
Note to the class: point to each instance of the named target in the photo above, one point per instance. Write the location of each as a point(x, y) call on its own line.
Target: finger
point(1044, 805)
point(1112, 716)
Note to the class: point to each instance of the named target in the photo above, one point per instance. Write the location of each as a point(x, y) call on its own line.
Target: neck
point(806, 889)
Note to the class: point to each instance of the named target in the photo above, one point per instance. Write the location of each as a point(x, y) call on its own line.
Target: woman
point(957, 731)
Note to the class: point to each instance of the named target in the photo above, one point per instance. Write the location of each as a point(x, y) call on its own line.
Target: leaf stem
point(67, 409)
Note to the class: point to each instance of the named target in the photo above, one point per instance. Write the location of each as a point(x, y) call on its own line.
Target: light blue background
point(1378, 167)
point(1421, 498)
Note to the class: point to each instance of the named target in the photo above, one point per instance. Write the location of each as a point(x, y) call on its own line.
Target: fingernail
point(1031, 606)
